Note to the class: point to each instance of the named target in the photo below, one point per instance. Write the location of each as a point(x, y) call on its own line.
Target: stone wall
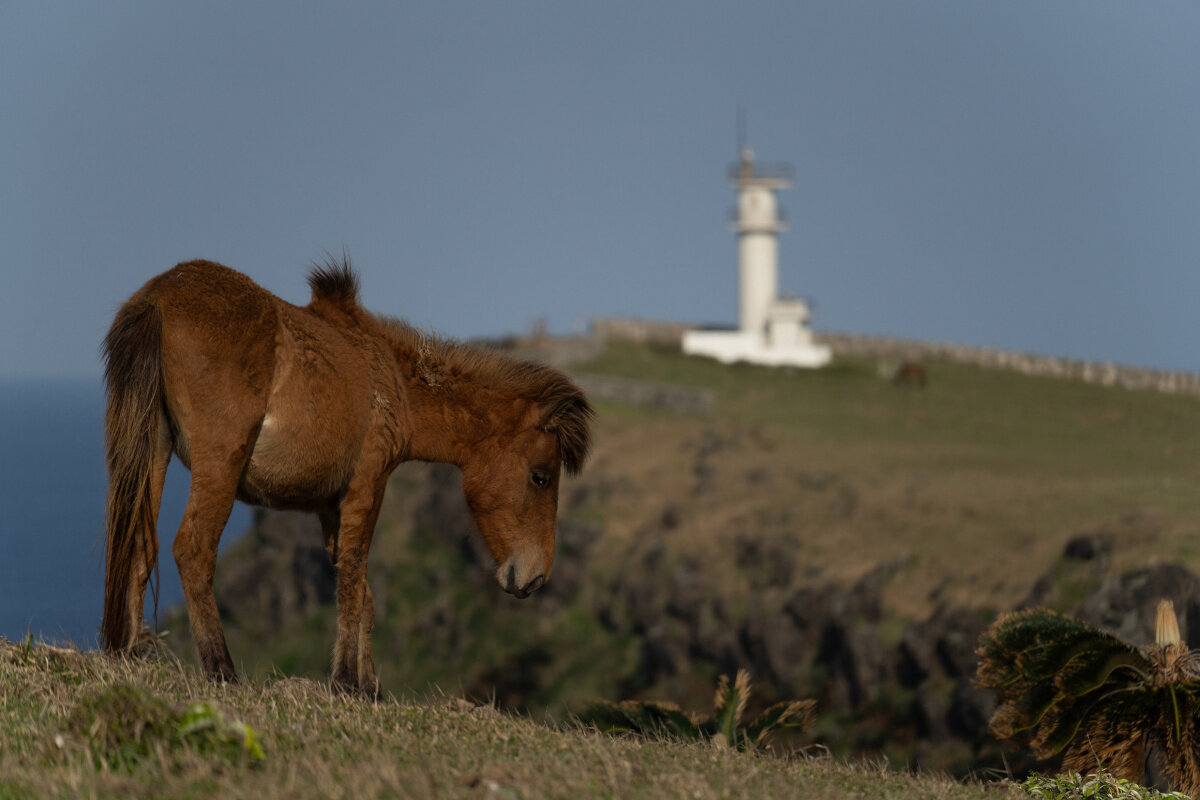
point(639, 330)
point(646, 394)
point(1104, 373)
point(843, 344)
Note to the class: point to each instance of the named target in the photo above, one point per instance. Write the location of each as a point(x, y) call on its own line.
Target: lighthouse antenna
point(741, 130)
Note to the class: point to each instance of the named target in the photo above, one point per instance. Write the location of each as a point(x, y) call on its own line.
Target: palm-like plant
point(1063, 685)
point(725, 727)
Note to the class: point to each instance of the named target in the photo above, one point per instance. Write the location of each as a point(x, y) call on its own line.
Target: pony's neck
point(452, 398)
point(445, 422)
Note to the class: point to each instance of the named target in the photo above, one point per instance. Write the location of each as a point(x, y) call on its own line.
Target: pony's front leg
point(353, 664)
point(331, 520)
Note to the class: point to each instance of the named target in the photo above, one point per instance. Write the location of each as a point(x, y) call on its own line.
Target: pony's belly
point(294, 471)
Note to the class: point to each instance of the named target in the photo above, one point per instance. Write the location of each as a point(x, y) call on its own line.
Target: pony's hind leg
point(209, 504)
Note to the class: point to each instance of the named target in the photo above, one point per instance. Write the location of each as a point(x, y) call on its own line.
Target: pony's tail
point(133, 374)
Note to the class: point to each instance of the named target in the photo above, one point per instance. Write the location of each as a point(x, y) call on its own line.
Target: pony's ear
point(569, 419)
point(551, 414)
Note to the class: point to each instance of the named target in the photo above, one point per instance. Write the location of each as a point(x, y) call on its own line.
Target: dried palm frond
point(665, 720)
point(728, 706)
point(724, 728)
point(798, 714)
point(1063, 685)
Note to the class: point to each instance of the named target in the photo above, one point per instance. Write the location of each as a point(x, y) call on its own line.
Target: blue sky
point(1016, 174)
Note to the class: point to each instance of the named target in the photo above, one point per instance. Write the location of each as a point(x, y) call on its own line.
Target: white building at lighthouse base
point(784, 341)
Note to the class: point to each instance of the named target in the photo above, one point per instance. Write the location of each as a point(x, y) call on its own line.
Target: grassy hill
point(974, 483)
point(840, 537)
point(84, 725)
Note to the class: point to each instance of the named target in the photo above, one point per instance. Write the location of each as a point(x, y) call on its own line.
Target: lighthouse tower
point(758, 226)
point(770, 330)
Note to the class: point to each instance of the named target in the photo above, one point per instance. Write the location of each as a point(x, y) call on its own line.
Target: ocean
point(52, 490)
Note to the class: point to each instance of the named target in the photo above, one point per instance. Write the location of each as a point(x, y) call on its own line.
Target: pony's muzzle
point(520, 577)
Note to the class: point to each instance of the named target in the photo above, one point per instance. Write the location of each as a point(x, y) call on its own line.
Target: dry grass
point(319, 744)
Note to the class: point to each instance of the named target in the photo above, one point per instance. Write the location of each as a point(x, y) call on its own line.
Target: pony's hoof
point(148, 646)
point(221, 673)
point(367, 690)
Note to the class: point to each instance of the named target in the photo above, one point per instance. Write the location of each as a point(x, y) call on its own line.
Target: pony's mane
point(334, 280)
point(568, 413)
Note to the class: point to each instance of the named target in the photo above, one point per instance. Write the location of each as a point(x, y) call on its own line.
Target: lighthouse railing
point(761, 170)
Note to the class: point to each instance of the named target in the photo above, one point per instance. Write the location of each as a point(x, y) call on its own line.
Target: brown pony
point(909, 373)
point(311, 408)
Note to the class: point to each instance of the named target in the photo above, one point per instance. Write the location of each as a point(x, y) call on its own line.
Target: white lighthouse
point(770, 330)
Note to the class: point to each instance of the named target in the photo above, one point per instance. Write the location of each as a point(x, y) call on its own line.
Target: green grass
point(1007, 418)
point(1095, 787)
point(321, 745)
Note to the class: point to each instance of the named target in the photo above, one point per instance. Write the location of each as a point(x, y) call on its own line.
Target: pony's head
point(512, 427)
point(511, 483)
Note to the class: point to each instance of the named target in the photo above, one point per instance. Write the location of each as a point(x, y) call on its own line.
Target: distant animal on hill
point(311, 408)
point(909, 373)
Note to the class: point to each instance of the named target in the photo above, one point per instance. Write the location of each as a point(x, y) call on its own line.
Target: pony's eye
point(540, 478)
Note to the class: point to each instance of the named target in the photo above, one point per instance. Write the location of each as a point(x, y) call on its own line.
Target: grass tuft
point(121, 726)
point(1101, 786)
